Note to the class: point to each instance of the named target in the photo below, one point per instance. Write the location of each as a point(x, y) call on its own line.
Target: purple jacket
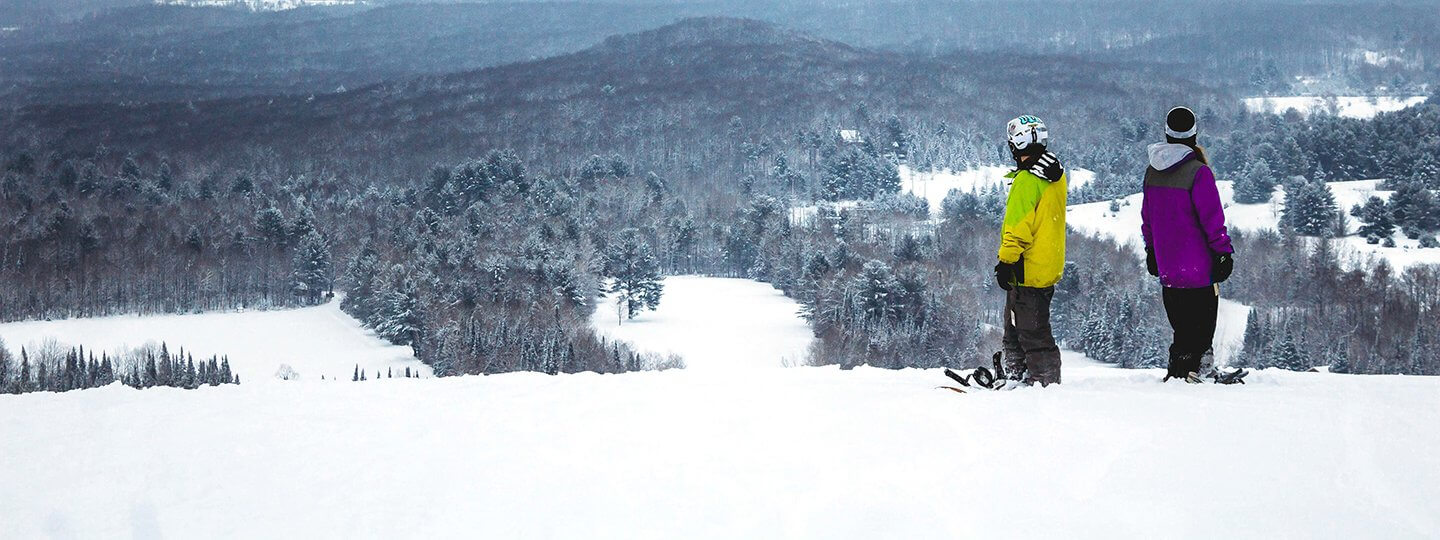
point(1181, 218)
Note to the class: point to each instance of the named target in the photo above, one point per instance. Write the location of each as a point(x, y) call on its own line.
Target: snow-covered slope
point(780, 453)
point(1344, 106)
point(933, 186)
point(260, 5)
point(1096, 219)
point(314, 341)
point(716, 323)
point(736, 448)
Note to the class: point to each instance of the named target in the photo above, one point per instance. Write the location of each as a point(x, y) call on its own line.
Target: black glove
point(1008, 274)
point(1048, 167)
point(1223, 264)
point(1150, 264)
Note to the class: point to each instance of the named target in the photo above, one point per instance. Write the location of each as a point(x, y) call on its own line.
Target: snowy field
point(734, 448)
point(716, 324)
point(1097, 220)
point(933, 186)
point(781, 453)
point(1344, 106)
point(314, 341)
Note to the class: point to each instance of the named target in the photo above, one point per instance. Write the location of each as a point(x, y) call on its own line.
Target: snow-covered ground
point(260, 5)
point(715, 323)
point(1096, 219)
point(1345, 106)
point(736, 448)
point(933, 186)
point(782, 453)
point(314, 341)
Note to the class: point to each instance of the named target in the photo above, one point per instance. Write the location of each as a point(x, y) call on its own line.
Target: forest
point(478, 217)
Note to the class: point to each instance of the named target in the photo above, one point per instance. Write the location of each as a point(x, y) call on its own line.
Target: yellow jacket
point(1034, 228)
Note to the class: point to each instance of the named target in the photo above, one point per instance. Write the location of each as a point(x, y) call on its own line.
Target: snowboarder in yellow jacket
point(1032, 254)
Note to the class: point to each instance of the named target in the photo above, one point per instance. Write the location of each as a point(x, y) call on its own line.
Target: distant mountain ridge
point(260, 5)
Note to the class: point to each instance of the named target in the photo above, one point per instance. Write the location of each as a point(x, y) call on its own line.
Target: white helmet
point(1027, 130)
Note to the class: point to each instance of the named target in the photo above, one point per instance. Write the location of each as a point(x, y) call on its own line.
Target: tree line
point(57, 369)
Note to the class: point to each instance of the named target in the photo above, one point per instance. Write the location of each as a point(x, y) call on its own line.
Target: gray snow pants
point(1030, 350)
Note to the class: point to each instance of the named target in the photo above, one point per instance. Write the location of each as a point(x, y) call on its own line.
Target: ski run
point(744, 448)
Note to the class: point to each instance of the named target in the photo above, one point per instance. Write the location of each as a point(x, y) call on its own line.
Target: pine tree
point(22, 383)
point(311, 268)
point(356, 376)
point(1309, 209)
point(879, 291)
point(5, 385)
point(1288, 355)
point(398, 317)
point(1255, 183)
point(634, 274)
point(1376, 221)
point(270, 223)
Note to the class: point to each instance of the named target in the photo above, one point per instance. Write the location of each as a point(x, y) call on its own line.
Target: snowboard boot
point(1184, 366)
point(1206, 369)
point(1010, 365)
point(1044, 369)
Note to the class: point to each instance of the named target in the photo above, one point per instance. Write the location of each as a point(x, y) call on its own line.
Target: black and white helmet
point(1025, 131)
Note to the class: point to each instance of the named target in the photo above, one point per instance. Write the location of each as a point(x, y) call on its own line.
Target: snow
point(260, 5)
point(793, 453)
point(735, 447)
point(933, 186)
point(761, 326)
point(1344, 106)
point(314, 341)
point(1097, 220)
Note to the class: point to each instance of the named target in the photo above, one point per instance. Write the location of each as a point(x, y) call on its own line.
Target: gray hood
point(1163, 156)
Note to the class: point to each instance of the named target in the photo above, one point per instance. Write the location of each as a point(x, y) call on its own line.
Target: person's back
point(1031, 254)
point(1186, 244)
point(1184, 222)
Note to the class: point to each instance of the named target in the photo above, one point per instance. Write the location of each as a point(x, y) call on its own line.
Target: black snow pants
point(1192, 314)
point(1030, 349)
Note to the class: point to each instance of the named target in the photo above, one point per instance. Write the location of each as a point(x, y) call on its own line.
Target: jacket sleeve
point(1145, 223)
point(1206, 198)
point(1021, 223)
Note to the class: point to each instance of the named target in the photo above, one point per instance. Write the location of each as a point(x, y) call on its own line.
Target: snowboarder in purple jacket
point(1186, 244)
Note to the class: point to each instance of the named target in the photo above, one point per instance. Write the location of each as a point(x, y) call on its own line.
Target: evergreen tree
point(398, 317)
point(1412, 206)
point(22, 382)
point(633, 272)
point(1288, 355)
point(1309, 209)
point(1376, 222)
point(879, 292)
point(311, 268)
point(5, 385)
point(270, 223)
point(1255, 183)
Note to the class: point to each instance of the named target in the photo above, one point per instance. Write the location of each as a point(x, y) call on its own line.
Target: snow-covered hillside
point(314, 341)
point(260, 5)
point(1344, 106)
point(737, 448)
point(716, 323)
point(1096, 219)
point(779, 453)
point(933, 186)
